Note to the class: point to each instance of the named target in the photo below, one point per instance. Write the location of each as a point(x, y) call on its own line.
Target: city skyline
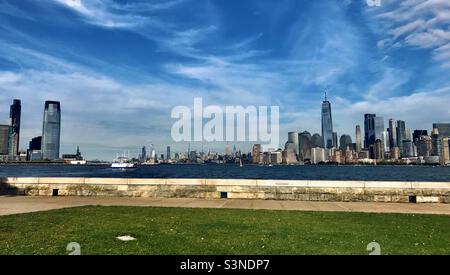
point(396, 136)
point(117, 96)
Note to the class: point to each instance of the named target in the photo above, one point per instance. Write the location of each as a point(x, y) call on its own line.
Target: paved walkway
point(20, 204)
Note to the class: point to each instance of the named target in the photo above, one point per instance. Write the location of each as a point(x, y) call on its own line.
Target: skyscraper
point(409, 134)
point(378, 149)
point(379, 127)
point(168, 156)
point(385, 141)
point(327, 124)
point(435, 143)
point(4, 136)
point(316, 141)
point(443, 128)
point(445, 151)
point(289, 155)
point(401, 134)
point(304, 140)
point(14, 130)
point(373, 129)
point(419, 133)
point(369, 130)
point(358, 138)
point(335, 140)
point(143, 156)
point(51, 130)
point(293, 137)
point(345, 142)
point(392, 133)
point(424, 146)
point(153, 156)
point(407, 149)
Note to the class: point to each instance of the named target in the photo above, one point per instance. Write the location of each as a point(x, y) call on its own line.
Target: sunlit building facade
point(327, 124)
point(51, 132)
point(14, 130)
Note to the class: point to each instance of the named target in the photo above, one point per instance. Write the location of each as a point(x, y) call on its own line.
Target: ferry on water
point(122, 162)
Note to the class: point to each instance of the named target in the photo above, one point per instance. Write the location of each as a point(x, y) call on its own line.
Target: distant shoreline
point(215, 164)
point(49, 164)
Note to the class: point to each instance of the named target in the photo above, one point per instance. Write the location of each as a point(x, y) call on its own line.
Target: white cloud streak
point(422, 24)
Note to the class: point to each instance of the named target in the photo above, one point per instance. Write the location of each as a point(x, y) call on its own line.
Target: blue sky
point(119, 67)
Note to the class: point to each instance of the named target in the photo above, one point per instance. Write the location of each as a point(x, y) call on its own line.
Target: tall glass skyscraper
point(335, 140)
point(369, 130)
point(373, 129)
point(401, 134)
point(435, 142)
point(4, 137)
point(14, 130)
point(392, 133)
point(51, 131)
point(379, 128)
point(443, 128)
point(293, 138)
point(168, 157)
point(358, 138)
point(327, 124)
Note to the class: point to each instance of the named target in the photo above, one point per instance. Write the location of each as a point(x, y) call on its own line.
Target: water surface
point(373, 173)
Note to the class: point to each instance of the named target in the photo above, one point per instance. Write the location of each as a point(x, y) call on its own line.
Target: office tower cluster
point(150, 156)
point(44, 147)
point(231, 155)
point(288, 155)
point(417, 145)
point(394, 144)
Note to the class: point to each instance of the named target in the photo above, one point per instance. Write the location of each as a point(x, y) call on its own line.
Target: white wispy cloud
point(106, 114)
point(146, 6)
point(11, 10)
point(388, 85)
point(99, 12)
point(142, 18)
point(99, 113)
point(147, 20)
point(423, 24)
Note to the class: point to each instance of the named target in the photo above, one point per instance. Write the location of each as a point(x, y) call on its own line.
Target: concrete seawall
point(346, 191)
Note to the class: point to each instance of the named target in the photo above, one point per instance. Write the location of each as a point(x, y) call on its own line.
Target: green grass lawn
point(221, 231)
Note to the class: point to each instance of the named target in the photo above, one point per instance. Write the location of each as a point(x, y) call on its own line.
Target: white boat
point(122, 162)
point(78, 162)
